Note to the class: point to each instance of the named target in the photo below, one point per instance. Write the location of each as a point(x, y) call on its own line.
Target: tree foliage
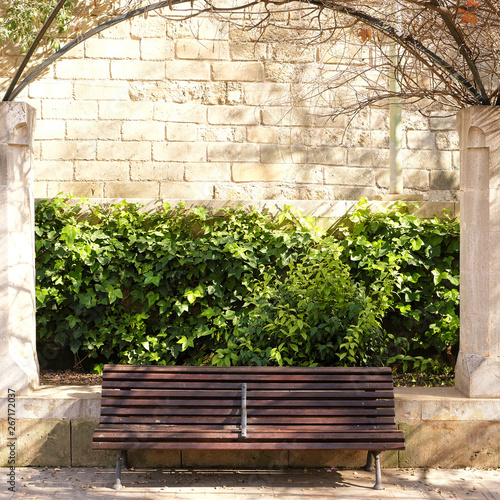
point(24, 18)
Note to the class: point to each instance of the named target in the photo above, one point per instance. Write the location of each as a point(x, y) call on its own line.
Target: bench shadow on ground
point(244, 479)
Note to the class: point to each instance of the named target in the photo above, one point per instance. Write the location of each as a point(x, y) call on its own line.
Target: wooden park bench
point(247, 408)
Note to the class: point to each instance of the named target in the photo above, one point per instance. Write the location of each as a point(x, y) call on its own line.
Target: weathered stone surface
point(154, 458)
point(133, 83)
point(451, 444)
point(337, 458)
point(82, 453)
point(78, 189)
point(39, 442)
point(235, 458)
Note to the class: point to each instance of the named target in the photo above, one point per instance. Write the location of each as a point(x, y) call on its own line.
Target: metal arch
point(12, 94)
point(407, 41)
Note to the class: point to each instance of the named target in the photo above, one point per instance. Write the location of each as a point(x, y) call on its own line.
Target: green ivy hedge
point(178, 286)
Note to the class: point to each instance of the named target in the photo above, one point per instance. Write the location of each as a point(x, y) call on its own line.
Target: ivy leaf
point(151, 277)
point(69, 234)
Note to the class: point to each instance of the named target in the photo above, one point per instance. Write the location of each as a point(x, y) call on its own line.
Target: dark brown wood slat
point(158, 403)
point(291, 407)
point(155, 420)
point(166, 382)
point(171, 411)
point(207, 385)
point(268, 398)
point(385, 398)
point(194, 429)
point(204, 435)
point(318, 420)
point(167, 393)
point(253, 386)
point(255, 378)
point(187, 429)
point(318, 411)
point(257, 430)
point(334, 403)
point(271, 395)
point(222, 420)
point(110, 369)
point(302, 412)
point(242, 445)
point(155, 436)
point(255, 375)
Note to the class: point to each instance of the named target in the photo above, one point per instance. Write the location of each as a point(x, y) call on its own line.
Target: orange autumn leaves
point(468, 15)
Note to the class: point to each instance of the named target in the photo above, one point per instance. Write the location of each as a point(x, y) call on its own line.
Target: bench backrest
point(248, 398)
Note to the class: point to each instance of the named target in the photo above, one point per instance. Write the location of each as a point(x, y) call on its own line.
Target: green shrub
point(163, 287)
point(316, 315)
point(178, 286)
point(419, 259)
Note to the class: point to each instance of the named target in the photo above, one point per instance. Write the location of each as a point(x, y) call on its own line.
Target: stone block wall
point(198, 110)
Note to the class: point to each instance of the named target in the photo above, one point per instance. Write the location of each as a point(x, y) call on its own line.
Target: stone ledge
point(315, 208)
point(417, 404)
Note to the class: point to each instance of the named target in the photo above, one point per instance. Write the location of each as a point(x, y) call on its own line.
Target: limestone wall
point(198, 110)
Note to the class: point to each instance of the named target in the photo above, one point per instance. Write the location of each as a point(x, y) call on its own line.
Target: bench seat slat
point(232, 429)
point(253, 436)
point(169, 402)
point(223, 420)
point(283, 403)
point(254, 386)
point(251, 412)
point(250, 377)
point(240, 370)
point(267, 398)
point(270, 392)
point(214, 445)
point(110, 427)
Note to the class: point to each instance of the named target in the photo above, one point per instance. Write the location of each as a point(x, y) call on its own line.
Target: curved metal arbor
point(468, 77)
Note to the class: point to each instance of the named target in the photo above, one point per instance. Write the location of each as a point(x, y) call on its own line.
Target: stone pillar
point(18, 360)
point(478, 364)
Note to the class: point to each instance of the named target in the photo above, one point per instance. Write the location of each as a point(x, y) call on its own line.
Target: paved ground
point(152, 484)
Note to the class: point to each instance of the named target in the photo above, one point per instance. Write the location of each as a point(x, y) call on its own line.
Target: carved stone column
point(18, 361)
point(478, 364)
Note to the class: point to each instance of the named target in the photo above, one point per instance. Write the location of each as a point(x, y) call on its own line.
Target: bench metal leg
point(125, 459)
point(378, 472)
point(120, 458)
point(371, 457)
point(369, 462)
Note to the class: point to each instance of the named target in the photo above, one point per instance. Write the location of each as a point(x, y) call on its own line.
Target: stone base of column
point(478, 376)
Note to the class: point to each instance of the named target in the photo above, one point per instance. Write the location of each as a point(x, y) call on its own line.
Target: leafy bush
point(317, 315)
point(414, 264)
point(179, 286)
point(165, 287)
